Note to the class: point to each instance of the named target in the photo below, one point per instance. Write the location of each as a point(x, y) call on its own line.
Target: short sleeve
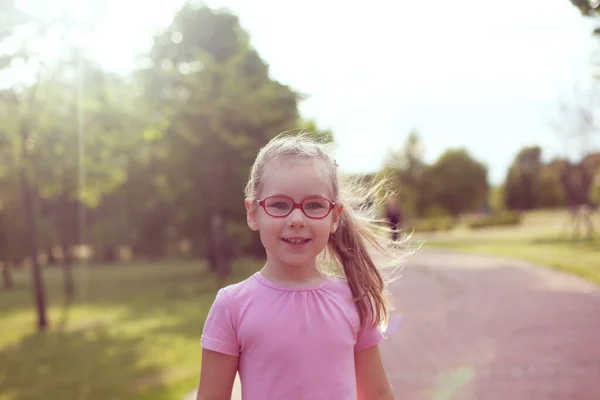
point(219, 333)
point(368, 336)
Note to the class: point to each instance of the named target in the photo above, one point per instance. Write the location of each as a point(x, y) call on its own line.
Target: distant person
point(394, 217)
point(291, 330)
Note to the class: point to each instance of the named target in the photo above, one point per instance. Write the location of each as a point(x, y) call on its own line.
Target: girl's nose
point(296, 218)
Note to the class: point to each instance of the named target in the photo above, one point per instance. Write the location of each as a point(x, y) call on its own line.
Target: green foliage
point(457, 182)
point(494, 219)
point(496, 198)
point(433, 224)
point(405, 167)
point(550, 192)
point(163, 151)
point(531, 183)
point(592, 163)
point(522, 181)
point(223, 106)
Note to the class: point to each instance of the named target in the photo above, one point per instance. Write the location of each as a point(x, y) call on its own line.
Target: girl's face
point(294, 240)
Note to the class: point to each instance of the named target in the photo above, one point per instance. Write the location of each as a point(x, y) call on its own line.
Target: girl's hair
point(361, 241)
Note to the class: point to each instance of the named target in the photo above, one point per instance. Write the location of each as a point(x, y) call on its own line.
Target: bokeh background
point(127, 130)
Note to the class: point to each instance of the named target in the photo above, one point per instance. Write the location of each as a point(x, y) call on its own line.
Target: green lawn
point(134, 333)
point(542, 238)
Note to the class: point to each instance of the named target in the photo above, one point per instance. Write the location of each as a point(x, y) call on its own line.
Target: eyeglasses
point(282, 206)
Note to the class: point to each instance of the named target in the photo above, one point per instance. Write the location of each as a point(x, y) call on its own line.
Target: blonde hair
point(361, 241)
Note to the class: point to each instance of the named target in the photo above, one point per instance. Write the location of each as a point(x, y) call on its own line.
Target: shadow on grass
point(120, 285)
point(90, 364)
point(186, 305)
point(100, 346)
point(138, 287)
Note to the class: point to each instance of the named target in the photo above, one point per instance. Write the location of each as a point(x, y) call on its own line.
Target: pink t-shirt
point(293, 343)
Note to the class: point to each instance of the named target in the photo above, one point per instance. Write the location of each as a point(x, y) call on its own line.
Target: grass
point(134, 333)
point(543, 238)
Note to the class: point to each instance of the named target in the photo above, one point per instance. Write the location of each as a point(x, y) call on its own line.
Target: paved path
point(478, 327)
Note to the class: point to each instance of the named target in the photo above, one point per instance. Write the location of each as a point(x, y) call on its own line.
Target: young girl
point(292, 331)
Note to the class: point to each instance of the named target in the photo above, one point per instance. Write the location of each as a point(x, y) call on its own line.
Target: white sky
point(485, 75)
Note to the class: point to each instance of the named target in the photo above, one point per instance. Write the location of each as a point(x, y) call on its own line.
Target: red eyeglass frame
point(296, 205)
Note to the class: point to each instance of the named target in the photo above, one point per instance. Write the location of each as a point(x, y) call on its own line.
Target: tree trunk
point(38, 286)
point(68, 272)
point(221, 248)
point(7, 277)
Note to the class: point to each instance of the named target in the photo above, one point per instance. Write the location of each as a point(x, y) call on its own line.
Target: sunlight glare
point(176, 37)
point(185, 68)
point(197, 66)
point(167, 64)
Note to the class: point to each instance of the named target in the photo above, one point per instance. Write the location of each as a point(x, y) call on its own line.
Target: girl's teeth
point(296, 241)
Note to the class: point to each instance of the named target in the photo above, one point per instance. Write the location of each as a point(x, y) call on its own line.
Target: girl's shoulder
point(242, 288)
point(339, 284)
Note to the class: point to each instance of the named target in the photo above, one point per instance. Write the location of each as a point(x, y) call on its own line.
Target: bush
point(498, 218)
point(433, 224)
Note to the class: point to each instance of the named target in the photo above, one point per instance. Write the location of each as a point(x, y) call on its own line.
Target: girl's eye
point(314, 206)
point(280, 205)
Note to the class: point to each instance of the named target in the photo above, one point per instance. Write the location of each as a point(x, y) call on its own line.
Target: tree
point(19, 135)
point(523, 179)
point(406, 166)
point(220, 106)
point(458, 182)
point(17, 106)
point(530, 183)
point(550, 192)
point(13, 235)
point(79, 161)
point(47, 124)
point(4, 262)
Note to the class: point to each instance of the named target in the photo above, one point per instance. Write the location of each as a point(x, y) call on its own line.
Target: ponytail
point(348, 248)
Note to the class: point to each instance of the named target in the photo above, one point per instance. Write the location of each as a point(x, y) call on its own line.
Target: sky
point(487, 76)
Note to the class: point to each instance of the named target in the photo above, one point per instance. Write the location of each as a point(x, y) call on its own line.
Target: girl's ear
point(337, 213)
point(251, 214)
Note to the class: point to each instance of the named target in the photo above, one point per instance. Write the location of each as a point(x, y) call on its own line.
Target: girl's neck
point(292, 274)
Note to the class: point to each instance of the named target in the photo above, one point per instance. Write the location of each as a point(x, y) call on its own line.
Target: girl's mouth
point(296, 242)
